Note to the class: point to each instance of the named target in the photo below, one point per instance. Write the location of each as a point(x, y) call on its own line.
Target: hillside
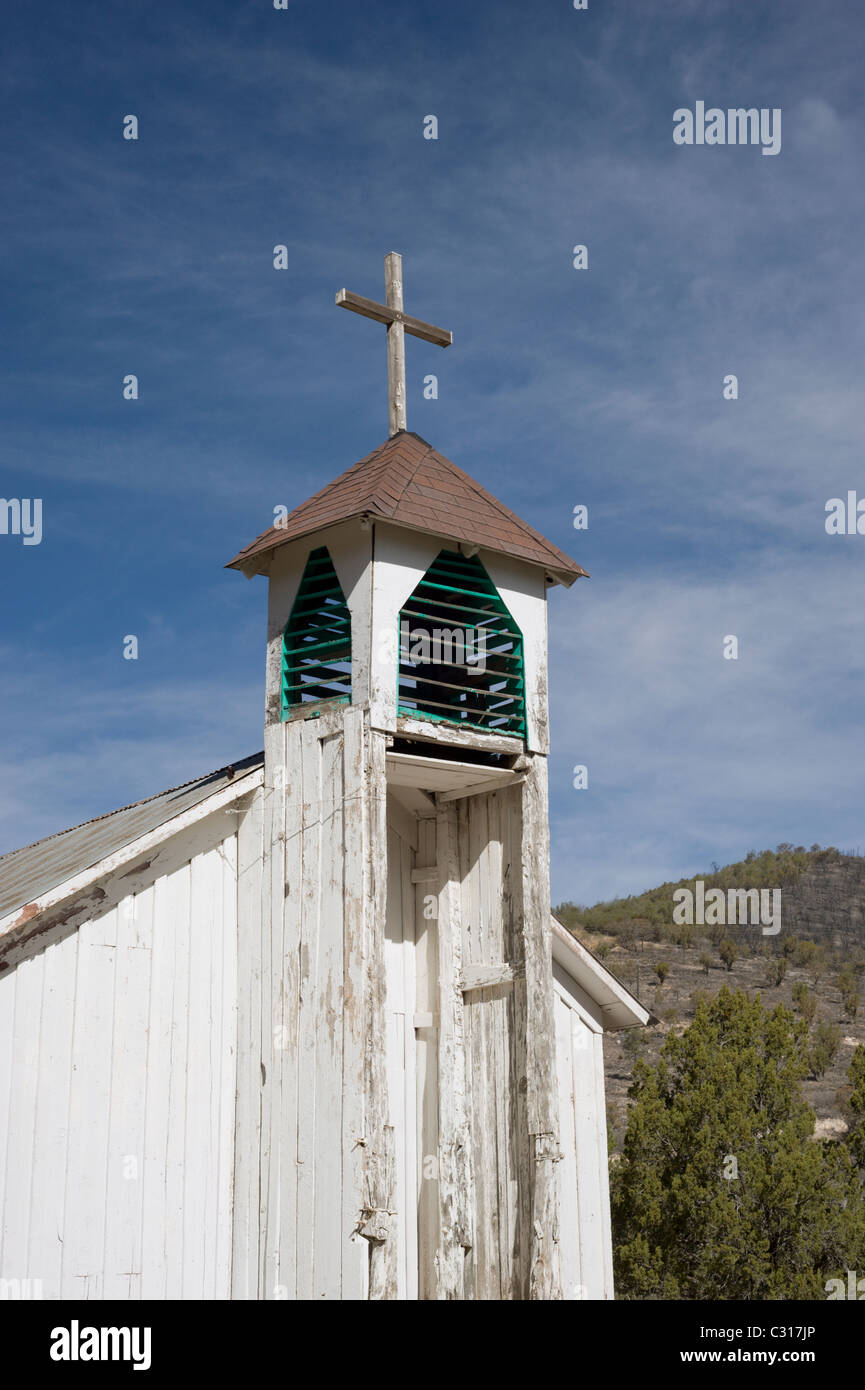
point(815, 963)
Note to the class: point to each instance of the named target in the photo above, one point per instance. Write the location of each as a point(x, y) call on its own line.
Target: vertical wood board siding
point(117, 1086)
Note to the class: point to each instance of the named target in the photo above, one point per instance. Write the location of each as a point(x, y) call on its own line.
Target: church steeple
point(379, 528)
point(406, 912)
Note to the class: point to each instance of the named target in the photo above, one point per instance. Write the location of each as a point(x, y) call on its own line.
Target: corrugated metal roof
point(35, 869)
point(408, 482)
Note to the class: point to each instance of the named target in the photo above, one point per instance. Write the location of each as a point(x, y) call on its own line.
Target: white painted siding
point(523, 588)
point(312, 1152)
point(584, 1201)
point(426, 1063)
point(401, 996)
point(488, 831)
point(117, 1086)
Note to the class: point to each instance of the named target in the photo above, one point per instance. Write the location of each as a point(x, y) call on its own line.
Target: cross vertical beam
point(395, 343)
point(398, 323)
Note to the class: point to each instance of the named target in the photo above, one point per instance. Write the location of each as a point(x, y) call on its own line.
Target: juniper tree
point(721, 1190)
point(827, 1038)
point(727, 951)
point(777, 970)
point(804, 1002)
point(856, 1106)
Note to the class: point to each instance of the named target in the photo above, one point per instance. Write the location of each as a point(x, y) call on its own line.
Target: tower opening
point(460, 651)
point(316, 645)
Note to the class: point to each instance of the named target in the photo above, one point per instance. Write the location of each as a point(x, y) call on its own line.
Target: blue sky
point(602, 387)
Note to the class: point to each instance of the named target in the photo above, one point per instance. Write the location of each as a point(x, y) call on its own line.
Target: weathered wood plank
point(500, 779)
point(224, 1085)
point(198, 1185)
point(395, 342)
point(310, 763)
point(380, 313)
point(456, 1193)
point(428, 874)
point(84, 1228)
point(523, 1154)
point(426, 1044)
point(607, 1289)
point(504, 1102)
point(541, 1086)
point(327, 1282)
point(8, 987)
point(276, 1059)
point(571, 1265)
point(51, 1135)
point(402, 820)
point(399, 981)
point(380, 1159)
point(247, 1129)
point(355, 1260)
point(486, 976)
point(20, 1119)
point(123, 1176)
point(157, 1117)
point(283, 1021)
point(426, 732)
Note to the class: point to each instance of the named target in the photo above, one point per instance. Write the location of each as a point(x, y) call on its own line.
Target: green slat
point(308, 602)
point(489, 612)
point(451, 588)
point(317, 638)
point(319, 672)
point(309, 647)
point(450, 580)
point(469, 687)
point(489, 653)
point(440, 619)
point(503, 727)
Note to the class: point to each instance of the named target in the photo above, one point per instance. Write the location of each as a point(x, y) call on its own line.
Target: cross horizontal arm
point(383, 314)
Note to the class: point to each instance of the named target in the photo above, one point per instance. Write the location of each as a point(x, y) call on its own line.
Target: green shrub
point(824, 1048)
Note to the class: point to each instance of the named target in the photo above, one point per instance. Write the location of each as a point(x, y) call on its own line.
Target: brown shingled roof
point(407, 482)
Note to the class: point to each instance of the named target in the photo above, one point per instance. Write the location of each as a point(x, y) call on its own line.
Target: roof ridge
point(428, 449)
point(388, 509)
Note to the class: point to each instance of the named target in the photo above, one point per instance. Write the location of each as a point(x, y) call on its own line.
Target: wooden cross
point(398, 324)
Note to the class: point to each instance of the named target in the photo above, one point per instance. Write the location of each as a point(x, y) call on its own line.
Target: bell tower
point(408, 1119)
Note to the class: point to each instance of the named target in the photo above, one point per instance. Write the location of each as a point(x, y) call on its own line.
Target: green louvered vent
point(460, 651)
point(316, 646)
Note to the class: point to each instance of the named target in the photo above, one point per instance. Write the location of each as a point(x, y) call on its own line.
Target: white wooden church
point(305, 1028)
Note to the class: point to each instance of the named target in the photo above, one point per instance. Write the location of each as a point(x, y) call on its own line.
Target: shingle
point(408, 482)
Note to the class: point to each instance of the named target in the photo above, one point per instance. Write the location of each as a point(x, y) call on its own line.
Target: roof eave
point(28, 914)
point(566, 577)
point(619, 1007)
point(257, 562)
